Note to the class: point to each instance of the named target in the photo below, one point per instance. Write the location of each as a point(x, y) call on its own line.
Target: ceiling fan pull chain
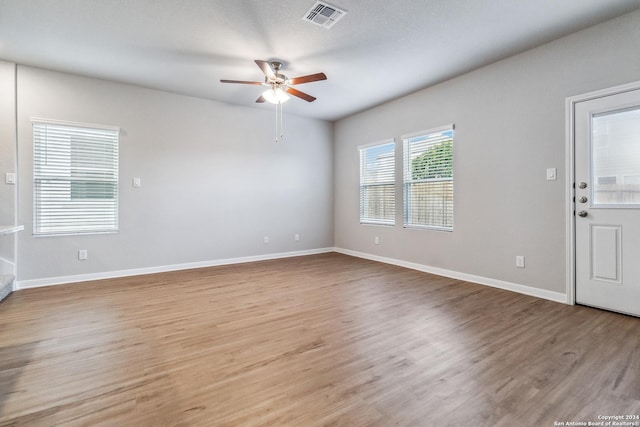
point(281, 122)
point(276, 122)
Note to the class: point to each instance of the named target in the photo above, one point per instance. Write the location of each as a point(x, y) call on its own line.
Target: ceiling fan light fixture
point(276, 96)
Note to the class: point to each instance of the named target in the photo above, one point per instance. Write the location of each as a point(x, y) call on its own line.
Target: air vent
point(324, 14)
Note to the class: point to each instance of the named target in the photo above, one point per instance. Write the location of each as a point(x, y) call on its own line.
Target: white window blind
point(428, 179)
point(377, 184)
point(75, 178)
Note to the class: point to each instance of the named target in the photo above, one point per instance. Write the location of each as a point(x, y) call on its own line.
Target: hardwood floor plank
point(323, 340)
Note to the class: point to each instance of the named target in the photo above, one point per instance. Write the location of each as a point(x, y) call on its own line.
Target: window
point(377, 184)
point(615, 158)
point(75, 170)
point(428, 179)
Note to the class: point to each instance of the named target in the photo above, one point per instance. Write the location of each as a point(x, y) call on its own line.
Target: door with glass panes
point(607, 202)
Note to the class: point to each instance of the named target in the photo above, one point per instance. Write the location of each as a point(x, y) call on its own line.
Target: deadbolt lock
point(582, 185)
point(583, 199)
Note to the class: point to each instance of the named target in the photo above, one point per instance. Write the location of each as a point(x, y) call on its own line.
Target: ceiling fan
point(279, 84)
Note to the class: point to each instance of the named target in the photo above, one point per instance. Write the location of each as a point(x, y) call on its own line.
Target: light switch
point(137, 182)
point(551, 174)
point(10, 178)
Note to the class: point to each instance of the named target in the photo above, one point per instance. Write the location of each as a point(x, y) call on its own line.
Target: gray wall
point(214, 182)
point(510, 127)
point(7, 162)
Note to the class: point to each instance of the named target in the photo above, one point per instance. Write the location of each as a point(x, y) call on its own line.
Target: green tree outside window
point(435, 162)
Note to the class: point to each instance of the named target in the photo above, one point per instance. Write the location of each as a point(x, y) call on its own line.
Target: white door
point(607, 202)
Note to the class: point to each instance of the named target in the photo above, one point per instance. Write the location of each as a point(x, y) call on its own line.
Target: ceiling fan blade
point(241, 82)
point(307, 79)
point(302, 95)
point(261, 99)
point(266, 69)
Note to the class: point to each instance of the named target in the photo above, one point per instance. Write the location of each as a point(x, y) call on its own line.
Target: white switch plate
point(137, 182)
point(265, 240)
point(296, 237)
point(551, 174)
point(10, 178)
point(520, 261)
point(83, 254)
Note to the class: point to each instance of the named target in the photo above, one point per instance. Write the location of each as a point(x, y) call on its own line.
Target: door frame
point(570, 143)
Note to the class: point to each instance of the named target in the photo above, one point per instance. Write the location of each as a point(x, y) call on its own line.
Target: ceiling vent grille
point(324, 14)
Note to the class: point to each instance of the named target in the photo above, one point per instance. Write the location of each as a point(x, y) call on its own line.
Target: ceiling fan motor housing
point(278, 81)
point(280, 78)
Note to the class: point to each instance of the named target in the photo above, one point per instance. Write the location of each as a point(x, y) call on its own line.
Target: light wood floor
point(319, 340)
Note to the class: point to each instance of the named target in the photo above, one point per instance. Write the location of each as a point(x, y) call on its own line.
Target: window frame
point(78, 174)
point(406, 183)
point(362, 149)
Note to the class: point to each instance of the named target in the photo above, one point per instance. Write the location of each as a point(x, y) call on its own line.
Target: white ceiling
point(381, 50)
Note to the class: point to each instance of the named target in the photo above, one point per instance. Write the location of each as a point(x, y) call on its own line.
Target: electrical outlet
point(296, 237)
point(520, 261)
point(83, 254)
point(265, 240)
point(376, 240)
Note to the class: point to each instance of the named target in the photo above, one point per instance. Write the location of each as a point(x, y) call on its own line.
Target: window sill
point(428, 227)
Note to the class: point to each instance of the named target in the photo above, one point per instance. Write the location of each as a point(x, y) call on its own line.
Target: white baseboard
point(514, 287)
point(36, 283)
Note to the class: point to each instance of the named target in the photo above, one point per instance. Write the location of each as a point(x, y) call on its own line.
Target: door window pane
point(616, 158)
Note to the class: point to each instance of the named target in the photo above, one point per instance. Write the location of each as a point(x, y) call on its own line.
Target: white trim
point(36, 283)
point(74, 124)
point(428, 131)
point(514, 287)
point(381, 142)
point(494, 283)
point(428, 227)
point(384, 224)
point(570, 105)
point(570, 256)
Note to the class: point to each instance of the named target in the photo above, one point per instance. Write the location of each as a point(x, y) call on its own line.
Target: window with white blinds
point(428, 179)
point(377, 184)
point(75, 171)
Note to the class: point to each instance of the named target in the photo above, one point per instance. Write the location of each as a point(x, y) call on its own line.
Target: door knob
point(582, 214)
point(582, 185)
